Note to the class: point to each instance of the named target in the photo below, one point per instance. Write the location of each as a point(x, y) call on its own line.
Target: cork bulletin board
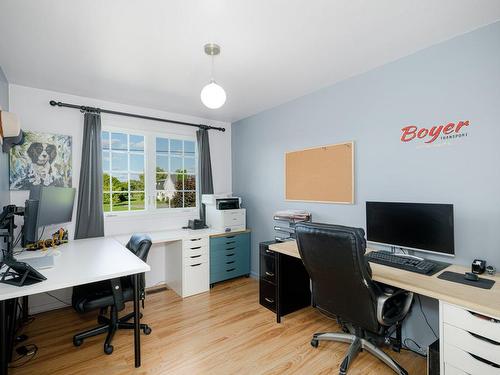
point(322, 174)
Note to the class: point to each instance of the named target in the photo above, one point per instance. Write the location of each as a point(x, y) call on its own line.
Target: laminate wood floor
point(224, 331)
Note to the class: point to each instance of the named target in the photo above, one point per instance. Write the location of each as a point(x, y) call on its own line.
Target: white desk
point(187, 261)
point(172, 235)
point(80, 262)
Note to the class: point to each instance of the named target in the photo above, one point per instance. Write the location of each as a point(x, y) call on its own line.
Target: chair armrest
point(393, 305)
point(116, 287)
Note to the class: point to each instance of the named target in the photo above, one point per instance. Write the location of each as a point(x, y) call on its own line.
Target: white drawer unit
point(470, 342)
point(188, 266)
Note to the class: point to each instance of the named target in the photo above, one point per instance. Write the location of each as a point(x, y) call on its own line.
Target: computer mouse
point(471, 276)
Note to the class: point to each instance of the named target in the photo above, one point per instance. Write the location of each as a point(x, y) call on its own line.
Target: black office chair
point(111, 294)
point(369, 313)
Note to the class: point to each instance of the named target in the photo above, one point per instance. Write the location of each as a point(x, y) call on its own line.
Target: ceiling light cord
point(212, 69)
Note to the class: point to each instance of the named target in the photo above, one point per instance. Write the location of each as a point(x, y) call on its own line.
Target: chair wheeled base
point(357, 344)
point(110, 326)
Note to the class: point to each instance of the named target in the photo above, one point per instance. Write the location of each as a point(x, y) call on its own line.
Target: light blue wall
point(452, 81)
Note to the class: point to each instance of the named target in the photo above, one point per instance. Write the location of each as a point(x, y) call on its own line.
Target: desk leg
point(12, 321)
point(25, 305)
point(3, 339)
point(277, 271)
point(137, 334)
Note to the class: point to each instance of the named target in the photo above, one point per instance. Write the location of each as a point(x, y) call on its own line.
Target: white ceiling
point(150, 53)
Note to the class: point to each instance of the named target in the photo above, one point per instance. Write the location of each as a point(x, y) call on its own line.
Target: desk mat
point(460, 278)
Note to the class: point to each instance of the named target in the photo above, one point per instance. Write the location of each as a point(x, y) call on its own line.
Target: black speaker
point(433, 358)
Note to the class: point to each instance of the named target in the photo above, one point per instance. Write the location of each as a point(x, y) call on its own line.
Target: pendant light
point(212, 95)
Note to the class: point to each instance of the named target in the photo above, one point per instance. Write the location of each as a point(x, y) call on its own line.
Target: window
point(123, 172)
point(175, 173)
point(148, 172)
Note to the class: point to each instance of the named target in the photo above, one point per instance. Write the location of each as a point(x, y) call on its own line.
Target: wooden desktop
point(469, 317)
point(486, 301)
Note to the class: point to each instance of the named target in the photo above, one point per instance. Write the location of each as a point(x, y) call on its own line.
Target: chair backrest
point(140, 244)
point(333, 255)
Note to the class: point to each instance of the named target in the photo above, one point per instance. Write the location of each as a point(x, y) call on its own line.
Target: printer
point(222, 211)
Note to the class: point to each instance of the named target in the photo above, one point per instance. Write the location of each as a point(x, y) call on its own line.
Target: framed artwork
point(42, 160)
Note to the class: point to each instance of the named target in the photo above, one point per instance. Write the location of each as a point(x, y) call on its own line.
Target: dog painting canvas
point(42, 160)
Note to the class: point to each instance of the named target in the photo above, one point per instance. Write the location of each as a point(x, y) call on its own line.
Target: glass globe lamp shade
point(213, 95)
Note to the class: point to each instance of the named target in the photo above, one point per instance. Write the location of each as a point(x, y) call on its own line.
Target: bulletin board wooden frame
point(323, 174)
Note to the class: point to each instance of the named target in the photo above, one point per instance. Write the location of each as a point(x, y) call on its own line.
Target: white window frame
point(150, 173)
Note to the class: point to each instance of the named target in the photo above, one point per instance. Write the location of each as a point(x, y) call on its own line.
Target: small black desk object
point(478, 266)
point(284, 285)
point(20, 274)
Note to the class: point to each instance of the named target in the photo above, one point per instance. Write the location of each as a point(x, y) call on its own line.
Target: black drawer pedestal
point(284, 282)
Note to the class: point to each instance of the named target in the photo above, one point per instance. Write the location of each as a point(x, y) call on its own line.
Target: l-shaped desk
point(469, 317)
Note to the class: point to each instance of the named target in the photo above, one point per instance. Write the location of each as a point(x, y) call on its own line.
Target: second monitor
point(46, 206)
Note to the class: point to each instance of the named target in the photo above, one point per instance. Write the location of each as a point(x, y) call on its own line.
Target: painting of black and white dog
point(43, 159)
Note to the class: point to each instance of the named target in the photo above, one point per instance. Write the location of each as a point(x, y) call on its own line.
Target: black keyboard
point(401, 262)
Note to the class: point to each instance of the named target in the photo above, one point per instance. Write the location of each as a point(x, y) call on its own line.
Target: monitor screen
point(55, 205)
point(417, 226)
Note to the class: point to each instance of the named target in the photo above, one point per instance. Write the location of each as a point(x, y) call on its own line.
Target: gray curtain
point(90, 217)
point(205, 181)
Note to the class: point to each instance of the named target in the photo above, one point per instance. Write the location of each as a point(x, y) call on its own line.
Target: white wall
point(32, 106)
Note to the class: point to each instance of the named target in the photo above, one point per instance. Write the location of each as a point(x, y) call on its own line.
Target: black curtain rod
point(83, 108)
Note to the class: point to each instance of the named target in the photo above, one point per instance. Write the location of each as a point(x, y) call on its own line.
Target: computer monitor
point(55, 205)
point(415, 226)
point(46, 206)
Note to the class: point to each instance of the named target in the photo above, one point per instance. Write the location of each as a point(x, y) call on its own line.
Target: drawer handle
point(230, 248)
point(269, 251)
point(195, 265)
point(231, 262)
point(492, 364)
point(269, 274)
point(230, 237)
point(230, 242)
point(230, 255)
point(484, 338)
point(269, 300)
point(195, 248)
point(483, 317)
point(195, 239)
point(231, 269)
point(195, 256)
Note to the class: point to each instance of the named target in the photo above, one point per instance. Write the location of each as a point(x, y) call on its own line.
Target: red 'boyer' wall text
point(411, 132)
